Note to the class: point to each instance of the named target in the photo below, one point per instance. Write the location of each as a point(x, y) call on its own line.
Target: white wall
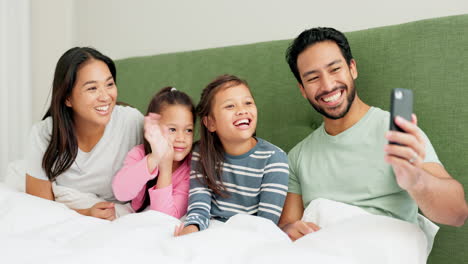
point(52, 33)
point(122, 28)
point(15, 81)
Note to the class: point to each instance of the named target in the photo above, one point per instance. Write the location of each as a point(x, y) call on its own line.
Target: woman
point(83, 138)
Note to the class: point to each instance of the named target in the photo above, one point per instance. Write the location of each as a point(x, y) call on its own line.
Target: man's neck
point(357, 111)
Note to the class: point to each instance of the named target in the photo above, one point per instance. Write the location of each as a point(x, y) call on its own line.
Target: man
point(348, 158)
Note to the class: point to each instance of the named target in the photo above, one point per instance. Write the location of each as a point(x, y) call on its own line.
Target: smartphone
point(401, 104)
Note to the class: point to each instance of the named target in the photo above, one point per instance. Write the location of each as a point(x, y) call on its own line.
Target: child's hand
point(180, 230)
point(168, 157)
point(103, 210)
point(299, 229)
point(156, 137)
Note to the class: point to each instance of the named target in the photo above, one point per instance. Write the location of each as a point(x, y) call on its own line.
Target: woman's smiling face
point(94, 94)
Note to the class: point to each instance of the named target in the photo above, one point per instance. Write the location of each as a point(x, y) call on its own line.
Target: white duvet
point(34, 230)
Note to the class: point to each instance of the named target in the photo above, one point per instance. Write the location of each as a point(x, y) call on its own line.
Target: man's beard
point(349, 100)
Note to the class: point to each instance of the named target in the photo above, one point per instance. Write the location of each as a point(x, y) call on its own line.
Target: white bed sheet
point(34, 230)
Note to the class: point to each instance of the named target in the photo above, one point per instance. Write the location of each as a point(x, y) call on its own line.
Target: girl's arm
point(199, 199)
point(274, 187)
point(172, 199)
point(131, 180)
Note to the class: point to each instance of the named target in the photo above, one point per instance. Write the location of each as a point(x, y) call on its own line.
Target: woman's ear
point(67, 102)
point(209, 123)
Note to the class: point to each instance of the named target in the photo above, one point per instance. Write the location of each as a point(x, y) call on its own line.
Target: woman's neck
point(88, 135)
point(239, 148)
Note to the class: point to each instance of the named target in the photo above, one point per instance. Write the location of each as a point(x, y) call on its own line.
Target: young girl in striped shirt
point(156, 173)
point(232, 170)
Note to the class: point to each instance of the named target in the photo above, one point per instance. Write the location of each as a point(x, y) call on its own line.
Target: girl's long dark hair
point(165, 97)
point(63, 145)
point(211, 149)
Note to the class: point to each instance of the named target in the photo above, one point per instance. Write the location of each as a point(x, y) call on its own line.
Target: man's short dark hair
point(312, 36)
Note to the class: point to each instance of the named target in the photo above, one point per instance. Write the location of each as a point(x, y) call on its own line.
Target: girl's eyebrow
point(230, 99)
point(173, 124)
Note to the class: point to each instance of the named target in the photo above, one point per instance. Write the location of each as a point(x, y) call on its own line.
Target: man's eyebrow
point(308, 73)
point(333, 62)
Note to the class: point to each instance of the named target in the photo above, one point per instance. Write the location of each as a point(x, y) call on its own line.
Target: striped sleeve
point(199, 198)
point(274, 187)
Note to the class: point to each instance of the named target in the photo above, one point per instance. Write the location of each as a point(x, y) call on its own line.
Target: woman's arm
point(102, 210)
point(43, 189)
point(39, 188)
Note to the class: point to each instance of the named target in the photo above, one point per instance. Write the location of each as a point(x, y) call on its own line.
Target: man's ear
point(209, 123)
point(301, 88)
point(67, 102)
point(353, 69)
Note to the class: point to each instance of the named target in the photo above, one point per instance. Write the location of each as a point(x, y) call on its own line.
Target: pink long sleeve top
point(130, 183)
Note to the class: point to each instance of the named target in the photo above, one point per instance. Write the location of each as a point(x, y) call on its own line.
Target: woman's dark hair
point(165, 97)
point(63, 146)
point(211, 149)
point(311, 36)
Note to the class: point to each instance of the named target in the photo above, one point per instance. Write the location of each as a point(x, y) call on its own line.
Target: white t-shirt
point(92, 172)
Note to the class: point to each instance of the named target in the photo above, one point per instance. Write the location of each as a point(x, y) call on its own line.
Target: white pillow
point(366, 237)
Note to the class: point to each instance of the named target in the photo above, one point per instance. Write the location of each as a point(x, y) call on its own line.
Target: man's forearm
point(441, 199)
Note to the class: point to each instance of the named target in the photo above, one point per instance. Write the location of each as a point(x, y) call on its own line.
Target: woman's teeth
point(102, 108)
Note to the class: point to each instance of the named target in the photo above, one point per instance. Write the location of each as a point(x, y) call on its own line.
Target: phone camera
point(398, 95)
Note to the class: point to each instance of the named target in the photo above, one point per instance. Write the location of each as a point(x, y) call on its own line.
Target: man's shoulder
point(380, 112)
point(306, 142)
point(376, 121)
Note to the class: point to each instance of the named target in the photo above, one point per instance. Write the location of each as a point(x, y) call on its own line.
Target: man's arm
point(440, 197)
point(290, 221)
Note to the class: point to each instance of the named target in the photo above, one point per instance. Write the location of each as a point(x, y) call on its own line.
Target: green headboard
point(428, 56)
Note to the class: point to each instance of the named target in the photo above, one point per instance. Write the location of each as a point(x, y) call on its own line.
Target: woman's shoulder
point(124, 112)
point(128, 118)
point(43, 128)
point(41, 134)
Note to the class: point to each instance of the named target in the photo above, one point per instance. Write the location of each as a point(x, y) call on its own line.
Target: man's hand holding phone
point(406, 148)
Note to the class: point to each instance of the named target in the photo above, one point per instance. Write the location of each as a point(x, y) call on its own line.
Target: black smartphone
point(401, 104)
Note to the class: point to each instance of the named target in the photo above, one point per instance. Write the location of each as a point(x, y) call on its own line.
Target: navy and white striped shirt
point(256, 183)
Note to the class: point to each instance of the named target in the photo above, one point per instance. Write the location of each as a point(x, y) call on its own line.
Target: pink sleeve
point(173, 199)
point(129, 183)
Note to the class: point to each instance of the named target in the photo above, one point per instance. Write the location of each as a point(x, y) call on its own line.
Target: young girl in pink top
point(157, 172)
